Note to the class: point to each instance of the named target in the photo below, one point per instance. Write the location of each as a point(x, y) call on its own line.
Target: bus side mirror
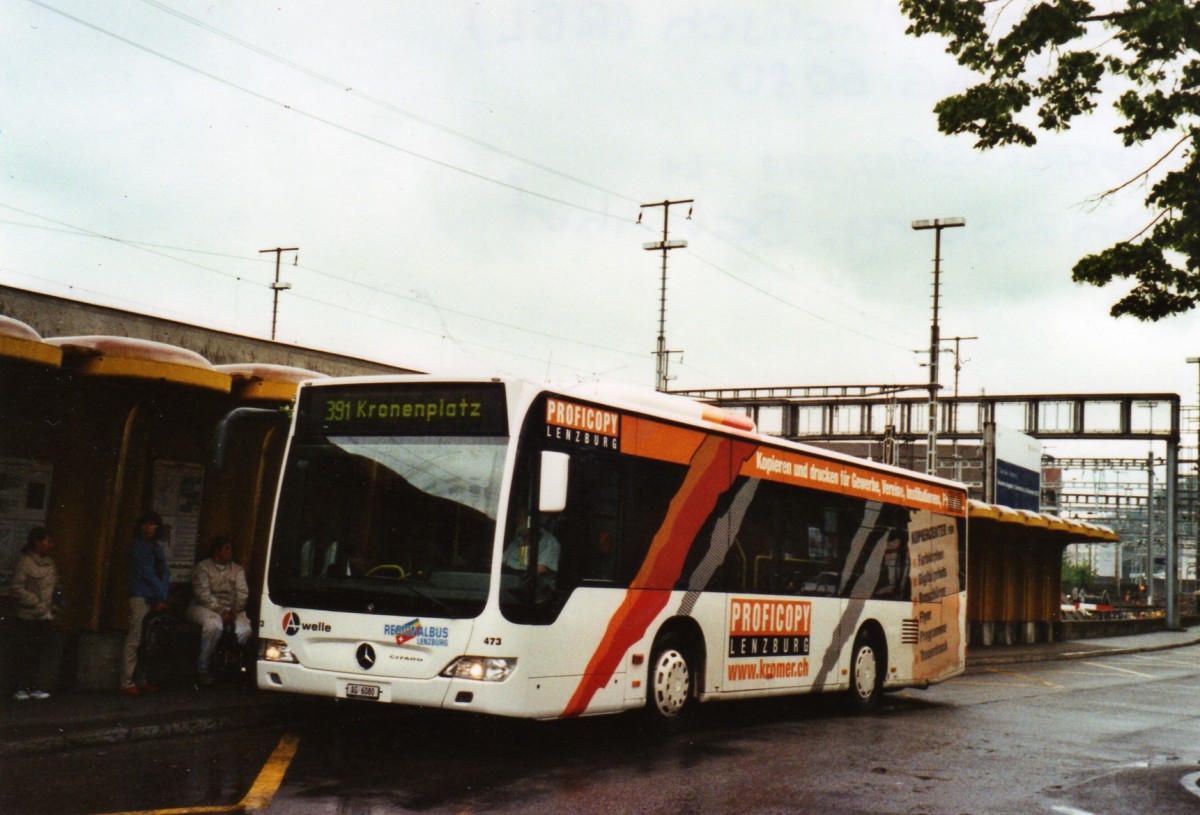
point(552, 494)
point(222, 437)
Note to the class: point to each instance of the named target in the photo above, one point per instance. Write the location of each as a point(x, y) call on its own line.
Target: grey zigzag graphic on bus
point(723, 535)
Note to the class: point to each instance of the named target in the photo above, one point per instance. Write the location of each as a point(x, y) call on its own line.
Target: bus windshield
point(387, 524)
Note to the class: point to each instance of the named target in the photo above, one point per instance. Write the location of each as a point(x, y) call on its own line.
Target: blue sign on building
point(1018, 487)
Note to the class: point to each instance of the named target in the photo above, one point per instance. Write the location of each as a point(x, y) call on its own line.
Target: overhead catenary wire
point(73, 229)
point(699, 223)
point(93, 234)
point(801, 309)
point(349, 88)
point(313, 116)
point(102, 297)
point(374, 290)
point(323, 120)
point(66, 228)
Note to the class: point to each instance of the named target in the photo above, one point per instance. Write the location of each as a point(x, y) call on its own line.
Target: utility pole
point(277, 287)
point(957, 352)
point(665, 245)
point(937, 225)
point(958, 361)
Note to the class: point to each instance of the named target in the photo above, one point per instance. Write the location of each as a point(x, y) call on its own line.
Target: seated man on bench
point(219, 594)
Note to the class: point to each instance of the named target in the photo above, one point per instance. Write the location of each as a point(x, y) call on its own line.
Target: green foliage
point(1077, 575)
point(1056, 55)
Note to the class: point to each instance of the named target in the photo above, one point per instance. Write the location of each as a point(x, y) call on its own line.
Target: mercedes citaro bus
point(494, 546)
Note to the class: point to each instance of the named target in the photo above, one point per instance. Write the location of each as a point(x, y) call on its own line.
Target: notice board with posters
point(24, 499)
point(935, 572)
point(178, 488)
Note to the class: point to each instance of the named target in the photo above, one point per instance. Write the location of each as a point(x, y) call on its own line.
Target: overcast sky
point(463, 182)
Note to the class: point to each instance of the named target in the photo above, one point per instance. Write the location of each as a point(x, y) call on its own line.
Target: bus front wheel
point(866, 673)
point(671, 679)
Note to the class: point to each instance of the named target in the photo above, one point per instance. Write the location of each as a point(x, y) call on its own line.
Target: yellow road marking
point(261, 793)
point(179, 810)
point(271, 776)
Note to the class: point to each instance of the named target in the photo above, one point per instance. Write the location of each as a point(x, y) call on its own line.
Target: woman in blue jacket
point(149, 587)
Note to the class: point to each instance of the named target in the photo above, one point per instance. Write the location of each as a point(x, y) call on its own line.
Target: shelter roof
point(1061, 529)
point(263, 382)
point(140, 359)
point(20, 341)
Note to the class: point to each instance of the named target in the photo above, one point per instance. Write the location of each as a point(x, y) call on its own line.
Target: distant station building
point(53, 316)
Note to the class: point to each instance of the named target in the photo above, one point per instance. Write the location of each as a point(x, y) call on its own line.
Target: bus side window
point(647, 488)
point(600, 564)
point(591, 546)
point(752, 563)
point(587, 528)
point(814, 572)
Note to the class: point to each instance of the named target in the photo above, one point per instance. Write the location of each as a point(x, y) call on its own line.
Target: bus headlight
point(275, 651)
point(484, 669)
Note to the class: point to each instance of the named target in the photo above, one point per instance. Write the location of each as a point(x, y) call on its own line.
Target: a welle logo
point(293, 626)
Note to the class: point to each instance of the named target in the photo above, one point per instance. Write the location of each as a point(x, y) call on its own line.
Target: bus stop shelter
point(1014, 572)
point(96, 429)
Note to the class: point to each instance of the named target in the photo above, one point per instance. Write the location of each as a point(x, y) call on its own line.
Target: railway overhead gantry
point(888, 418)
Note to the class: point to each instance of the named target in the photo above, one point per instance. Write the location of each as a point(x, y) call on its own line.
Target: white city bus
point(505, 548)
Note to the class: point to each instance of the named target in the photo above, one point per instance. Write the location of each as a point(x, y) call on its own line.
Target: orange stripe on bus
point(713, 468)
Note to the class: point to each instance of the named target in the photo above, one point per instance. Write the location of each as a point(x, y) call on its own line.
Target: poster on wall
point(178, 488)
point(935, 573)
point(24, 499)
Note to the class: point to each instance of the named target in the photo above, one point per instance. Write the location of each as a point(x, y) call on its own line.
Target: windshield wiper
point(439, 603)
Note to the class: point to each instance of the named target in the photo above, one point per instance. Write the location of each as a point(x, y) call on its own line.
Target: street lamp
point(937, 225)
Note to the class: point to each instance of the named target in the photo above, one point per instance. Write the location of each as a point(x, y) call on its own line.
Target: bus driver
point(516, 554)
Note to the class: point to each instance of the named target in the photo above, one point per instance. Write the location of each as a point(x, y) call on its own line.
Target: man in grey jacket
point(219, 595)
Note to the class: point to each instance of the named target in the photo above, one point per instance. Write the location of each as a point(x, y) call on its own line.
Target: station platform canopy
point(1056, 529)
point(140, 359)
point(267, 383)
point(18, 341)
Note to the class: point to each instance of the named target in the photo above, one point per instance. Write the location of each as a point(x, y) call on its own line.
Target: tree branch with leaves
point(1045, 64)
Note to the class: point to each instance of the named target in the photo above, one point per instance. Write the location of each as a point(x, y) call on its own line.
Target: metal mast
point(937, 224)
point(662, 376)
point(277, 287)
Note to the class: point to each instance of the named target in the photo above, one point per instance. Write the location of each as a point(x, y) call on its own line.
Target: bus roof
point(651, 403)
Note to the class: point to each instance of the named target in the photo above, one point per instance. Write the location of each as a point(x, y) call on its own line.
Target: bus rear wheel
point(671, 679)
point(866, 673)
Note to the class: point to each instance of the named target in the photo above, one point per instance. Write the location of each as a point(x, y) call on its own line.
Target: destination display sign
point(458, 409)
